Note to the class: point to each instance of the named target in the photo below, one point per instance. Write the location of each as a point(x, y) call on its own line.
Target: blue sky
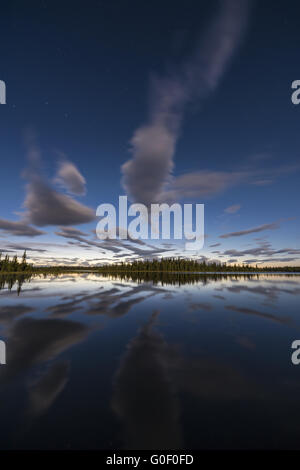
point(194, 96)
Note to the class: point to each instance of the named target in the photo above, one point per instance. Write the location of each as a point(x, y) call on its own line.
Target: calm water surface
point(187, 362)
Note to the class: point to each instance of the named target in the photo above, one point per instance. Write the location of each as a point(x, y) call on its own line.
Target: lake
point(179, 361)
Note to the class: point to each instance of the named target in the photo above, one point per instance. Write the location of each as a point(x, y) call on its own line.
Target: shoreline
point(93, 271)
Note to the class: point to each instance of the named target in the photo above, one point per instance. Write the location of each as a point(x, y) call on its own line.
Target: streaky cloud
point(260, 228)
point(19, 228)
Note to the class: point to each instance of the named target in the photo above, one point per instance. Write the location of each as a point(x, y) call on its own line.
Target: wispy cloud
point(146, 175)
point(233, 209)
point(19, 247)
point(260, 228)
point(205, 183)
point(263, 250)
point(131, 247)
point(271, 260)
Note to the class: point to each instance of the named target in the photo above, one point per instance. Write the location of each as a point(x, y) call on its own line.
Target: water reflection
point(32, 341)
point(172, 362)
point(164, 278)
point(44, 391)
point(250, 311)
point(150, 380)
point(10, 280)
point(145, 398)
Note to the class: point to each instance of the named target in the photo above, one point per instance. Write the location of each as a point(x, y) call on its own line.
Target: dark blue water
point(101, 363)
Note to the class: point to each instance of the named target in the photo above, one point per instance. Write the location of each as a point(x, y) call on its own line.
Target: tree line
point(189, 265)
point(12, 265)
point(169, 265)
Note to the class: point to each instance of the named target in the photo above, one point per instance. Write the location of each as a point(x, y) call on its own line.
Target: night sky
point(170, 101)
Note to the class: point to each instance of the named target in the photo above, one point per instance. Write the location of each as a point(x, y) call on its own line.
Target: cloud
point(271, 260)
point(215, 245)
point(71, 232)
point(114, 245)
point(111, 245)
point(264, 249)
point(261, 228)
point(18, 247)
point(262, 182)
point(45, 206)
point(54, 261)
point(147, 173)
point(145, 176)
point(203, 183)
point(207, 183)
point(19, 228)
point(233, 209)
point(69, 177)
